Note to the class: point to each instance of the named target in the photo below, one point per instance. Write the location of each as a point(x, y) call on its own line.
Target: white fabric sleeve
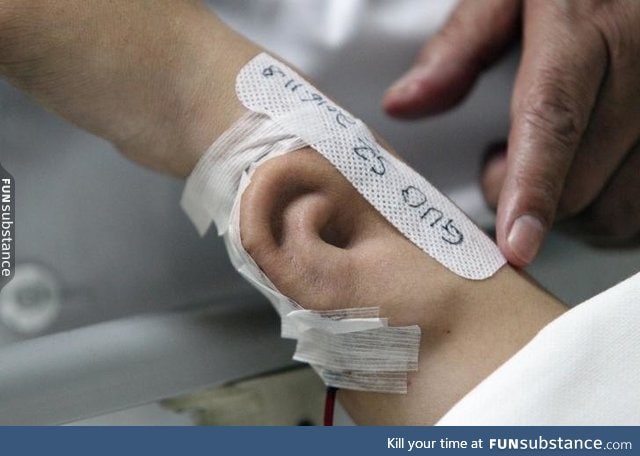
point(581, 369)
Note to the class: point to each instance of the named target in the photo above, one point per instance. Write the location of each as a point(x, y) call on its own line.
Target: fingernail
point(525, 237)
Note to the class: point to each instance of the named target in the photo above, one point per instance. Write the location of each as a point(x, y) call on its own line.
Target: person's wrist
point(195, 103)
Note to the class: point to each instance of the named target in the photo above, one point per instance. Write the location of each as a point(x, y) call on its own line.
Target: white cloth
point(581, 369)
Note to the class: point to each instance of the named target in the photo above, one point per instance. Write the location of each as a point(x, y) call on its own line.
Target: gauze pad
point(349, 348)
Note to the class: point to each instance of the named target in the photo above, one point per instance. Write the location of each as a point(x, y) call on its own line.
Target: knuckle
point(616, 22)
point(553, 111)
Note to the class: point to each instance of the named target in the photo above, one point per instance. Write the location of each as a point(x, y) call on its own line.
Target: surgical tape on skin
point(349, 348)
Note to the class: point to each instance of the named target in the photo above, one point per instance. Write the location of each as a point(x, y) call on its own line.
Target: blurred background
point(117, 303)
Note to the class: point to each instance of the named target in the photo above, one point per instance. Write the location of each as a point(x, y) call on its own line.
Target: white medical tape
point(410, 203)
point(332, 322)
point(349, 348)
point(383, 349)
point(385, 382)
point(334, 342)
point(251, 139)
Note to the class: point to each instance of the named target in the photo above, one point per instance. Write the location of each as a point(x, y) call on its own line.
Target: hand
point(574, 143)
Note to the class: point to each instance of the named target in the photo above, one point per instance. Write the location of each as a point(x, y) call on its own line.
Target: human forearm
point(464, 340)
point(156, 78)
point(327, 248)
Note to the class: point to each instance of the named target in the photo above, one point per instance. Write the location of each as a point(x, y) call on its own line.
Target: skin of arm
point(153, 77)
point(156, 78)
point(327, 248)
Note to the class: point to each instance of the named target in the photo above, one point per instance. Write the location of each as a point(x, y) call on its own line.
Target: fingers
point(613, 129)
point(602, 151)
point(475, 35)
point(562, 67)
point(605, 144)
point(616, 212)
point(493, 173)
point(614, 215)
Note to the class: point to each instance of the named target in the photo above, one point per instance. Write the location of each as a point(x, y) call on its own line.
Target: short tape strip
point(386, 382)
point(349, 348)
point(328, 339)
point(386, 349)
point(251, 139)
point(299, 321)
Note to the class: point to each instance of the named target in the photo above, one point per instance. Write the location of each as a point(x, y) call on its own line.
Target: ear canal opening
point(338, 233)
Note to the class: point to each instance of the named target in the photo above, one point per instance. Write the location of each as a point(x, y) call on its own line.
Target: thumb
point(475, 35)
point(562, 68)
